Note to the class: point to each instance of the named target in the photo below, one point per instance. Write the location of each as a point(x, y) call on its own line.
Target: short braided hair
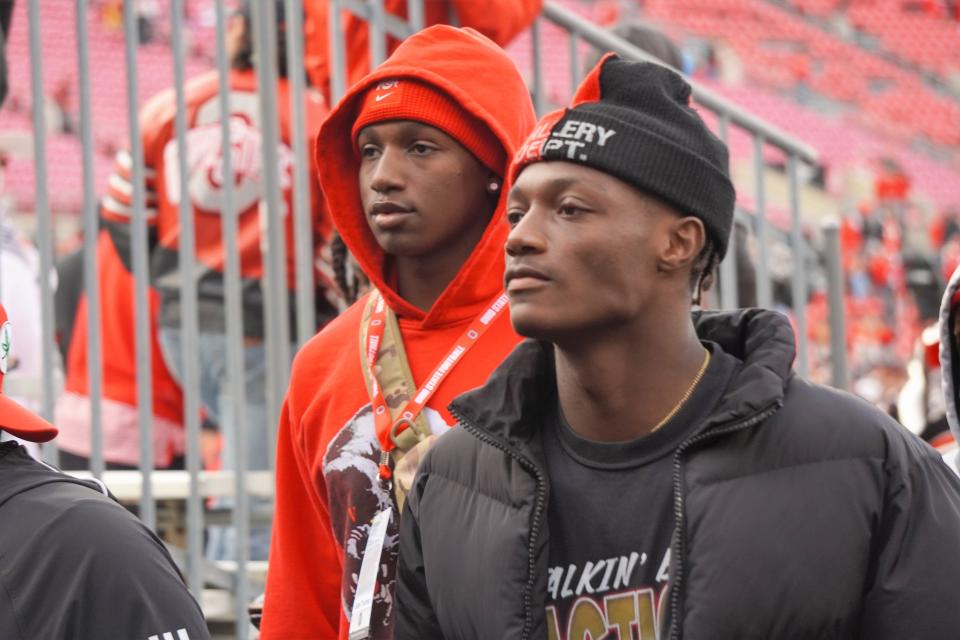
point(346, 273)
point(704, 267)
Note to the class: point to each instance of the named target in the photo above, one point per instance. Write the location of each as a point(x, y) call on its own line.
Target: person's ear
point(683, 241)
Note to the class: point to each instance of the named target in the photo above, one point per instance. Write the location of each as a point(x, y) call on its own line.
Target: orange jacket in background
point(119, 363)
point(328, 452)
point(499, 20)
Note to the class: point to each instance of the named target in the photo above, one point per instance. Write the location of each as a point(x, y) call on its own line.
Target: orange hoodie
point(499, 20)
point(328, 451)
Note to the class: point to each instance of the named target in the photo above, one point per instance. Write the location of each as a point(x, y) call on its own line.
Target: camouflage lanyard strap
point(402, 429)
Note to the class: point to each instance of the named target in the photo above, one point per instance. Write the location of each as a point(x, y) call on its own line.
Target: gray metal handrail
point(603, 39)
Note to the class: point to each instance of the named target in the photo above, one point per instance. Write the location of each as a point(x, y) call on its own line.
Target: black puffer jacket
point(801, 512)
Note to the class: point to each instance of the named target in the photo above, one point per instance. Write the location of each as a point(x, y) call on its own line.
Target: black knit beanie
point(633, 120)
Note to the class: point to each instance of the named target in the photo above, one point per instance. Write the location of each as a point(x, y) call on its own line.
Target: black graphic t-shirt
point(611, 520)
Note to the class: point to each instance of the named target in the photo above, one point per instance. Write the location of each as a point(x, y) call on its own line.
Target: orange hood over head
point(480, 77)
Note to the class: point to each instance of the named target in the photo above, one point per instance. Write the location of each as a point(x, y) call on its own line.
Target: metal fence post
point(141, 276)
point(729, 292)
point(277, 295)
point(416, 15)
point(375, 31)
point(234, 320)
point(764, 289)
point(338, 53)
point(573, 43)
point(91, 233)
point(799, 266)
point(836, 304)
point(188, 319)
point(44, 220)
point(302, 212)
point(536, 45)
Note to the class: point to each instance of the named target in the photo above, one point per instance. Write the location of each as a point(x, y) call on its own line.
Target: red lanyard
point(387, 428)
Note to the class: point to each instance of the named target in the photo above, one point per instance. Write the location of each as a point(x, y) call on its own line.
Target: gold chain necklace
point(689, 392)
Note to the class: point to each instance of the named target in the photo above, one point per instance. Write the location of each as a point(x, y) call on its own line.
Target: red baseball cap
point(15, 419)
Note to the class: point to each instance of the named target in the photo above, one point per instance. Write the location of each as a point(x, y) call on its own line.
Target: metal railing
point(195, 485)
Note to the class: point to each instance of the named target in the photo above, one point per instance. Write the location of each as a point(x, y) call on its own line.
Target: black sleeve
point(95, 571)
point(123, 242)
point(66, 298)
point(119, 233)
point(416, 619)
point(914, 590)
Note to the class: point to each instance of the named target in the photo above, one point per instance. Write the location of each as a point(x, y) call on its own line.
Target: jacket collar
point(511, 405)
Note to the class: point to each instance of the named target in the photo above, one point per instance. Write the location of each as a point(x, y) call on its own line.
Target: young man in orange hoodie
point(411, 162)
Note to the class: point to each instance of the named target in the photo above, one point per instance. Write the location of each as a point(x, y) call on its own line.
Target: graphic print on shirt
point(354, 496)
point(205, 184)
point(600, 599)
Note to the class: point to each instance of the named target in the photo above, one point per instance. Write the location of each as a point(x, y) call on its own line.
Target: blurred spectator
point(61, 119)
point(945, 227)
point(870, 227)
point(920, 404)
point(118, 405)
point(111, 15)
point(645, 37)
point(881, 383)
point(20, 290)
point(499, 20)
point(746, 266)
point(950, 362)
point(204, 190)
point(148, 13)
point(891, 186)
point(66, 298)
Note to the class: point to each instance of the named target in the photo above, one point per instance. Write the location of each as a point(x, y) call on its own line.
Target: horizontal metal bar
point(221, 573)
point(127, 486)
point(603, 39)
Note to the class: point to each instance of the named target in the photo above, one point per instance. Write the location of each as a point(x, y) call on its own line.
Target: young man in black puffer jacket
point(636, 466)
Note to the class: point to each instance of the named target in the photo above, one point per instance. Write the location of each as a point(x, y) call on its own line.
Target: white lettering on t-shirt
point(664, 573)
point(564, 582)
point(625, 570)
